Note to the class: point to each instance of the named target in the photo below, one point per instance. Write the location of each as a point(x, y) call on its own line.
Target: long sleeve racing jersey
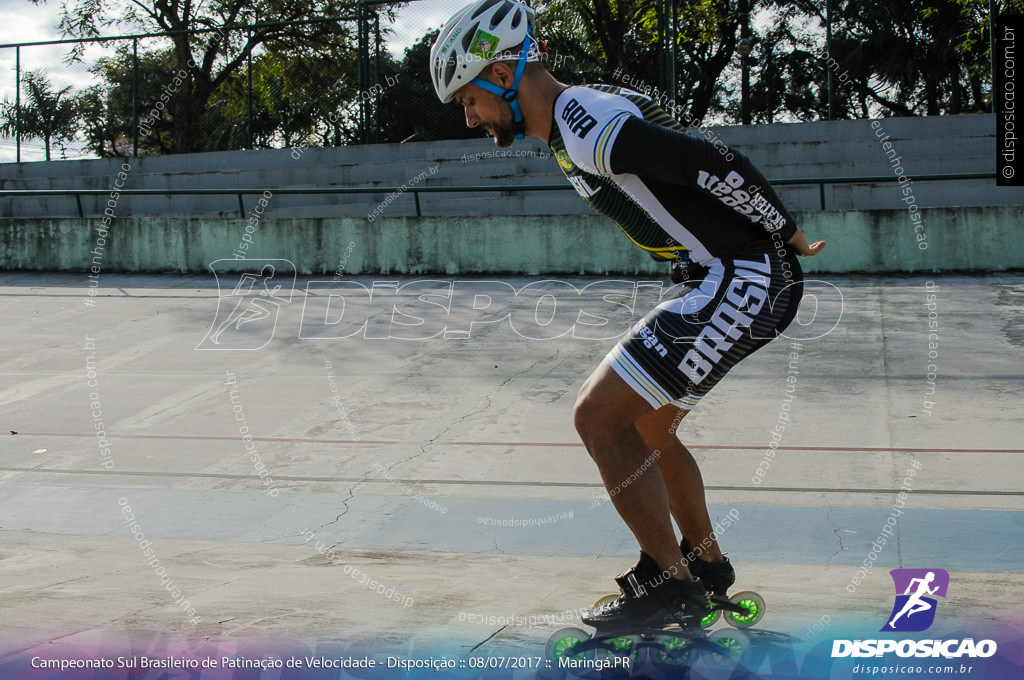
point(669, 192)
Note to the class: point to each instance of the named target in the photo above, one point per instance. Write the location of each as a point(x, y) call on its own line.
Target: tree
point(294, 93)
point(49, 115)
point(707, 41)
point(409, 106)
point(914, 57)
point(788, 85)
point(209, 60)
point(107, 106)
point(617, 42)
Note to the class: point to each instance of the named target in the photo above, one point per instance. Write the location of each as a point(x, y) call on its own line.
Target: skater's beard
point(506, 129)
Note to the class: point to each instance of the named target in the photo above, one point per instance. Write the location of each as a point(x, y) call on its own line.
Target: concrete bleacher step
point(823, 149)
point(885, 195)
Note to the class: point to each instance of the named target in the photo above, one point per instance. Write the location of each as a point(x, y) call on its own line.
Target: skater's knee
point(606, 407)
point(594, 418)
point(584, 417)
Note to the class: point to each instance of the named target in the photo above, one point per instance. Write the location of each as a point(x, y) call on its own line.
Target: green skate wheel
point(563, 640)
point(626, 646)
point(753, 603)
point(672, 653)
point(730, 646)
point(607, 599)
point(711, 618)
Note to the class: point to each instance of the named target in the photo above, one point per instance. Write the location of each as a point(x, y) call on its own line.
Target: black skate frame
point(648, 640)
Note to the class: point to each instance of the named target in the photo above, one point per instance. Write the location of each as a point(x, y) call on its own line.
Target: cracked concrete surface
point(480, 427)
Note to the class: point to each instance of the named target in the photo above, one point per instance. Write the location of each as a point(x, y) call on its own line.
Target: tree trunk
point(704, 92)
point(611, 31)
point(931, 93)
point(190, 101)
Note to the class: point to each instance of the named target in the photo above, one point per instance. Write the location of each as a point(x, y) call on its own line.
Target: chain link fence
point(363, 77)
point(326, 81)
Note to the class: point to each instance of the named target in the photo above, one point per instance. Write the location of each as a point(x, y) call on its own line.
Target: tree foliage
point(410, 108)
point(211, 60)
point(193, 92)
point(618, 43)
point(46, 114)
point(904, 59)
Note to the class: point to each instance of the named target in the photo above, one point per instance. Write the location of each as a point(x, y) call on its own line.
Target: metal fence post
point(380, 91)
point(662, 10)
point(135, 96)
point(674, 55)
point(17, 102)
point(363, 70)
point(248, 103)
point(828, 53)
point(667, 30)
point(993, 14)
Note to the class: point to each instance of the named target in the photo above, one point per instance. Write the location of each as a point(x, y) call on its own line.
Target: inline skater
point(684, 201)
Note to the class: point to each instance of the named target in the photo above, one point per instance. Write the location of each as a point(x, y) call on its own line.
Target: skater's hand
point(814, 248)
point(799, 244)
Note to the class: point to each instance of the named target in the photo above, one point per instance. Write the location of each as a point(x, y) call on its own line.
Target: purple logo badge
point(916, 589)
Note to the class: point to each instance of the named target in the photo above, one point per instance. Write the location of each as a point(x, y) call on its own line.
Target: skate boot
point(717, 577)
point(651, 600)
point(742, 610)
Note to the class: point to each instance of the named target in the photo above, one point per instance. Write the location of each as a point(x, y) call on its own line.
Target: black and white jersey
point(668, 191)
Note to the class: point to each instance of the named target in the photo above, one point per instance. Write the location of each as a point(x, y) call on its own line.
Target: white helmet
point(472, 39)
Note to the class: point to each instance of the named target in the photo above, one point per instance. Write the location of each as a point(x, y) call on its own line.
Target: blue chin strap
point(510, 94)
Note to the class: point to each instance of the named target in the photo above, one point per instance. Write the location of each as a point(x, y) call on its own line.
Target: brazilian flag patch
point(484, 44)
point(564, 160)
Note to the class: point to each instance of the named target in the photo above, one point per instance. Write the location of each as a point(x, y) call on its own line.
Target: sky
point(21, 21)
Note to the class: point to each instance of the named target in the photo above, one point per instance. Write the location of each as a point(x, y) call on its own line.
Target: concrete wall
point(969, 225)
point(941, 144)
point(957, 239)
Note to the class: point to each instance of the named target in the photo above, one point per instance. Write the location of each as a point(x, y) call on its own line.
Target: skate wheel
point(729, 647)
point(753, 603)
point(626, 646)
point(562, 642)
point(711, 618)
point(671, 653)
point(607, 599)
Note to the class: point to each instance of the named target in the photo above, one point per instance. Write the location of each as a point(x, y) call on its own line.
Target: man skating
point(684, 201)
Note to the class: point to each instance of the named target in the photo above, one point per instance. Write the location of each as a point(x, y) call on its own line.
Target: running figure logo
point(247, 311)
point(914, 610)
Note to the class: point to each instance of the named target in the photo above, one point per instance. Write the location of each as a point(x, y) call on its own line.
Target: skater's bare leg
point(683, 481)
point(605, 413)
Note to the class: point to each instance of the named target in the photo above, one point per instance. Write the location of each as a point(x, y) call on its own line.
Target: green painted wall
point(957, 239)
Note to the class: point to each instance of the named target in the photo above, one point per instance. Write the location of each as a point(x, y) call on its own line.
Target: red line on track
point(716, 447)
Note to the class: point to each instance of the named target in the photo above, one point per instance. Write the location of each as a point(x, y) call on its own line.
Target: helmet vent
point(449, 68)
point(467, 36)
point(484, 7)
point(499, 14)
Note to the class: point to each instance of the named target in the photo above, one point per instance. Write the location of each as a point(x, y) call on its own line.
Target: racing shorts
point(727, 309)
